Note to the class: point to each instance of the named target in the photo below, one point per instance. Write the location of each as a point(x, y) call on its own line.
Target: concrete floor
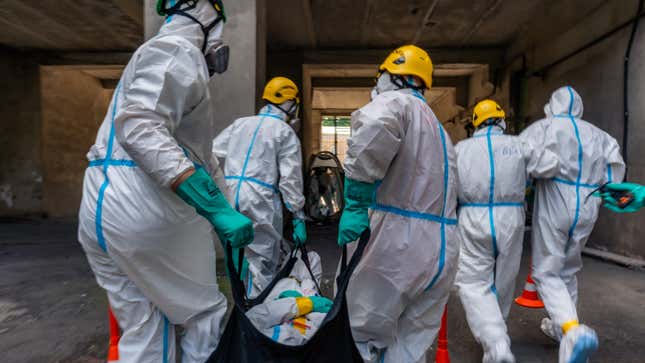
point(51, 309)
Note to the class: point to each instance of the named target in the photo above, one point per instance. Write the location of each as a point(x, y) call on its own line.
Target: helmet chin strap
point(406, 82)
point(387, 81)
point(499, 122)
point(291, 112)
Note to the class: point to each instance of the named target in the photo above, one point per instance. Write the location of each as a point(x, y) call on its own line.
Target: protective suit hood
point(386, 83)
point(564, 101)
point(186, 28)
point(498, 128)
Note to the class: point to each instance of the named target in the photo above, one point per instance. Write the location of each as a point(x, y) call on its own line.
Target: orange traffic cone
point(113, 350)
point(529, 297)
point(442, 342)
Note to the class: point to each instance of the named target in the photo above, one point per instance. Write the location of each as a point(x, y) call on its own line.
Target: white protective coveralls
point(263, 161)
point(398, 291)
point(562, 219)
point(275, 317)
point(493, 170)
point(150, 250)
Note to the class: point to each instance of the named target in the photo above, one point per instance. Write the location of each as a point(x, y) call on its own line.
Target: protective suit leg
point(549, 259)
point(578, 344)
point(499, 353)
point(551, 330)
point(573, 263)
point(476, 290)
point(420, 322)
point(556, 261)
point(486, 284)
point(200, 333)
point(264, 257)
point(507, 267)
point(372, 332)
point(264, 254)
point(146, 333)
point(167, 267)
point(395, 318)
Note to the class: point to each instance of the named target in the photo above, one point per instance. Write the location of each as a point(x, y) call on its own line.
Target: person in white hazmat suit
point(563, 219)
point(149, 198)
point(401, 166)
point(263, 162)
point(493, 169)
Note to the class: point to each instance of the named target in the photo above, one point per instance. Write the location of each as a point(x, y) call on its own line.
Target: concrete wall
point(20, 165)
point(74, 104)
point(597, 74)
point(53, 146)
point(235, 92)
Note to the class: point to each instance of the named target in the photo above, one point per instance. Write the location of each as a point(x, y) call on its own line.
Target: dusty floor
point(52, 311)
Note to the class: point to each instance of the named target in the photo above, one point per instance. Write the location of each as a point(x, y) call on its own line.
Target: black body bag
point(332, 343)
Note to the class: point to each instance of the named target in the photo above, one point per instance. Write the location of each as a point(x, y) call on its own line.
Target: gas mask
point(384, 83)
point(295, 124)
point(217, 58)
point(293, 120)
point(388, 82)
point(291, 109)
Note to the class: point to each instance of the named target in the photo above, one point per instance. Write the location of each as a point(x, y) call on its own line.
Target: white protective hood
point(188, 29)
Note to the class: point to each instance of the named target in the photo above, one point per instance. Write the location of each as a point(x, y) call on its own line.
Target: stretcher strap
point(305, 258)
point(235, 277)
point(347, 268)
point(237, 286)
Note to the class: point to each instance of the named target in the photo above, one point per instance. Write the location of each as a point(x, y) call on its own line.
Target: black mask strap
point(402, 83)
point(492, 122)
point(290, 112)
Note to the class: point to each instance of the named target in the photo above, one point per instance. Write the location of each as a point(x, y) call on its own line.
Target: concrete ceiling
point(383, 24)
point(334, 24)
point(117, 25)
point(80, 25)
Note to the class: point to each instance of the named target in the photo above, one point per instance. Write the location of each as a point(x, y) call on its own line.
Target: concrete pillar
point(236, 91)
point(151, 20)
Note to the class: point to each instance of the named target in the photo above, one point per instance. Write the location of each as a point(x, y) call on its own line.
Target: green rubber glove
point(321, 304)
point(299, 231)
point(200, 192)
point(289, 293)
point(355, 219)
point(638, 191)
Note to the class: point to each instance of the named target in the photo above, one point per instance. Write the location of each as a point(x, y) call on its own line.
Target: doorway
point(74, 100)
point(335, 130)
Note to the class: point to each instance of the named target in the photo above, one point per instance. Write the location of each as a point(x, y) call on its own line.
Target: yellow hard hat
point(409, 60)
point(485, 110)
point(280, 90)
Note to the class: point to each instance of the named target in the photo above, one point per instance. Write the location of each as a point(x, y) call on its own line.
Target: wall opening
point(74, 101)
point(332, 90)
point(335, 130)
